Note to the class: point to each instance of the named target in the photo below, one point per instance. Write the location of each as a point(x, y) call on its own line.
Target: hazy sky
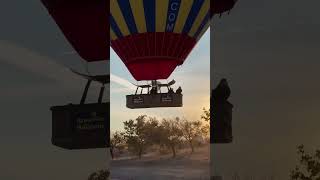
point(268, 49)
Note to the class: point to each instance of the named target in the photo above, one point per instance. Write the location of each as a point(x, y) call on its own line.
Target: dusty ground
point(156, 167)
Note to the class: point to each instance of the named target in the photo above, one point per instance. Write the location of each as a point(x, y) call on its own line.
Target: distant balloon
point(85, 25)
point(153, 37)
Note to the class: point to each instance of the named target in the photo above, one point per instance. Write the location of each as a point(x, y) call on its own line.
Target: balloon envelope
point(85, 24)
point(153, 37)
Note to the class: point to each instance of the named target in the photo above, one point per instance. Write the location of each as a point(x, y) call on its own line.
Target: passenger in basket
point(179, 90)
point(170, 91)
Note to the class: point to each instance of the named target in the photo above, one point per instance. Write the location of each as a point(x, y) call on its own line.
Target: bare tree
point(170, 134)
point(117, 142)
point(206, 115)
point(190, 130)
point(205, 129)
point(308, 167)
point(99, 175)
point(152, 131)
point(135, 135)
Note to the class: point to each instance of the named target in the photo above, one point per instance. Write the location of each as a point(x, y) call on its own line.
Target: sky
point(267, 49)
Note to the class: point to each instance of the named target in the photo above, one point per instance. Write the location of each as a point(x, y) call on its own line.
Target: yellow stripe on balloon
point(205, 28)
point(203, 12)
point(117, 14)
point(138, 13)
point(112, 34)
point(184, 11)
point(161, 14)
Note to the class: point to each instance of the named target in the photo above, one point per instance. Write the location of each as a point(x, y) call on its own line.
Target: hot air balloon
point(85, 24)
point(152, 38)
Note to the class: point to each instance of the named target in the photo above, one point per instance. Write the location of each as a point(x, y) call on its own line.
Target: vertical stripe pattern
point(130, 17)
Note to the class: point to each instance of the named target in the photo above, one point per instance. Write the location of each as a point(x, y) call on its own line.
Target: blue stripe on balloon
point(115, 27)
point(128, 15)
point(150, 14)
point(195, 9)
point(173, 10)
point(202, 25)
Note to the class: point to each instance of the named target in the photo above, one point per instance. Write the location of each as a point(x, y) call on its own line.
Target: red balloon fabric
point(153, 56)
point(85, 24)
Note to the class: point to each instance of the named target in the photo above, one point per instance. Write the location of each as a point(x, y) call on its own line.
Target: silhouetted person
point(153, 90)
point(179, 90)
point(222, 111)
point(222, 92)
point(170, 91)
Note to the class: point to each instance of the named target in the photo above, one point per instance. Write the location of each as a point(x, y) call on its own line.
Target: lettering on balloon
point(173, 10)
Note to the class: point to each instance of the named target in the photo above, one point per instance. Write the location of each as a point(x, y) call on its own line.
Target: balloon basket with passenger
point(153, 96)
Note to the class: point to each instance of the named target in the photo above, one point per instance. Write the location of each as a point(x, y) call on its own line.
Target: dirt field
point(156, 167)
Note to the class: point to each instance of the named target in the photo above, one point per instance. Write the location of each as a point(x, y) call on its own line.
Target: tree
point(190, 130)
point(135, 134)
point(117, 142)
point(100, 175)
point(206, 128)
point(170, 134)
point(206, 115)
point(308, 167)
point(152, 131)
point(205, 132)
